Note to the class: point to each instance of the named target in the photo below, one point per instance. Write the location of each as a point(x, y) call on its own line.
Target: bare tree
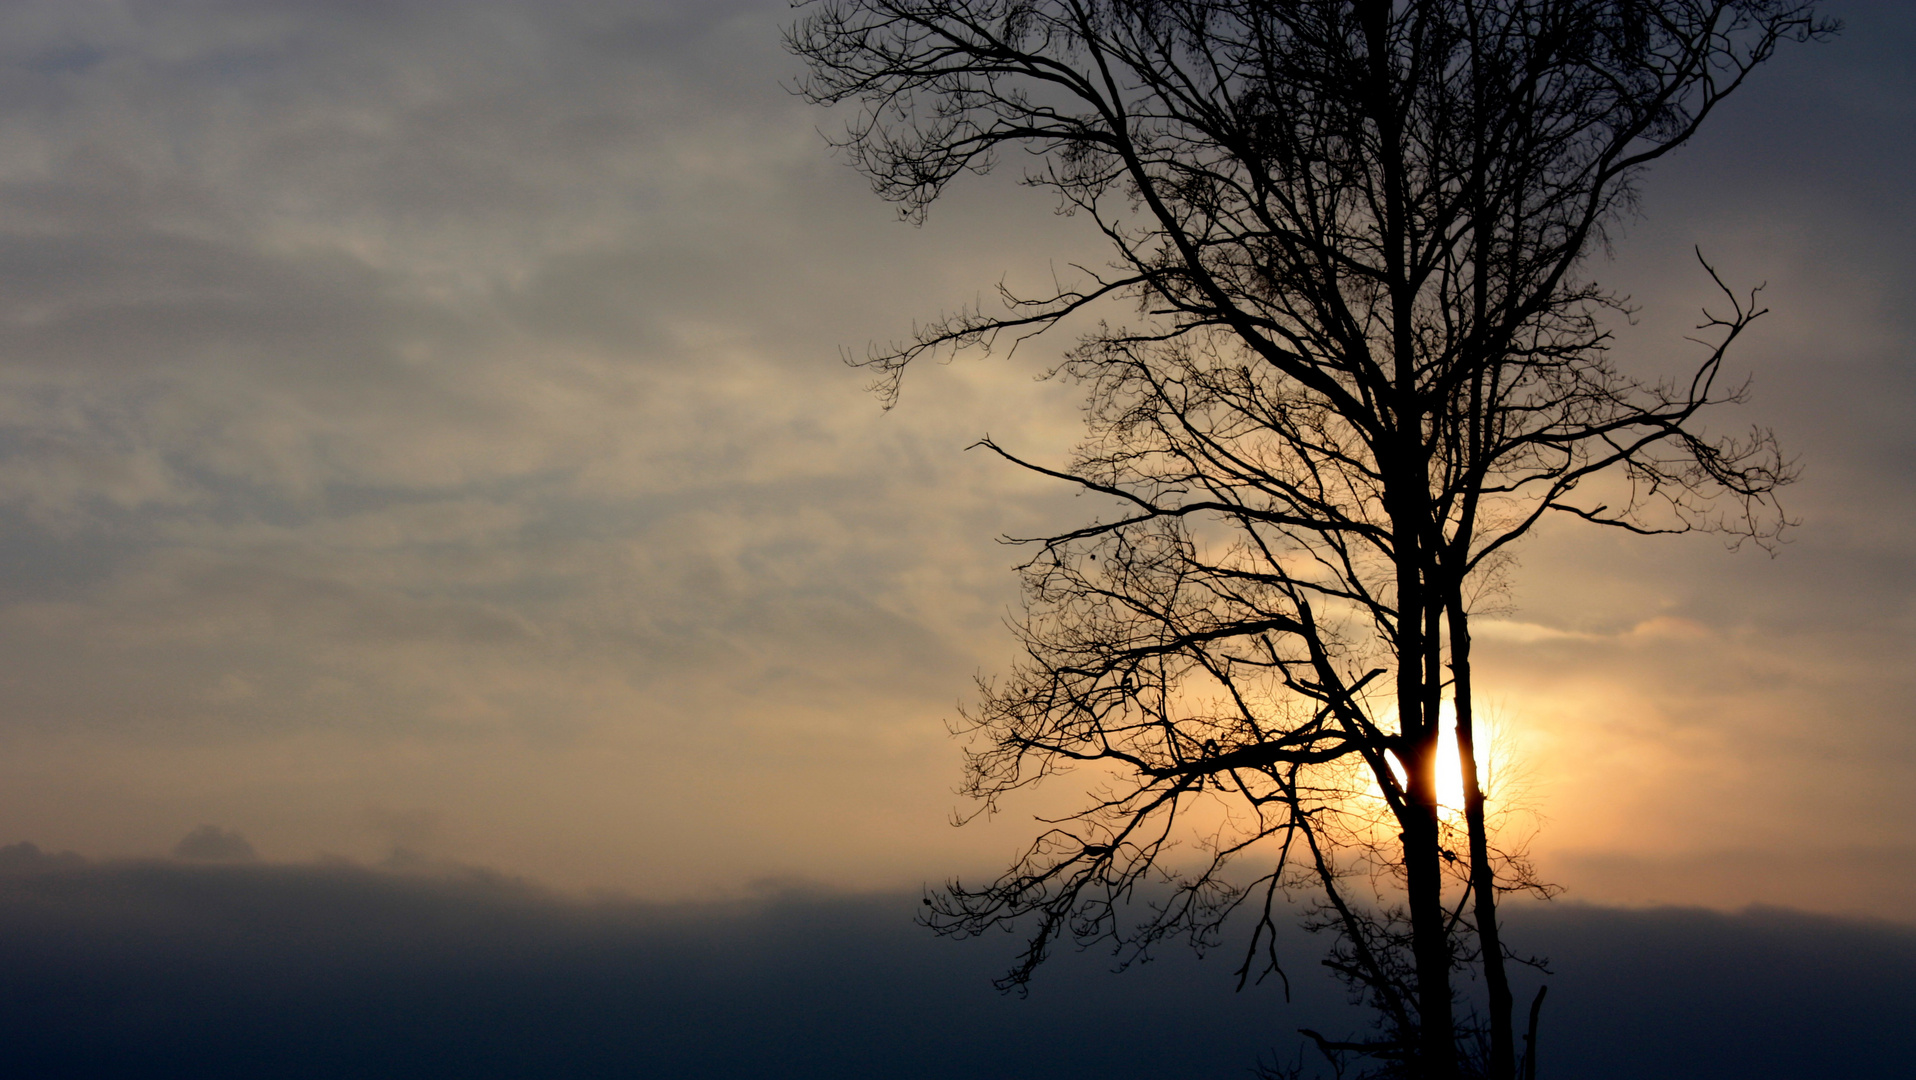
point(1361, 364)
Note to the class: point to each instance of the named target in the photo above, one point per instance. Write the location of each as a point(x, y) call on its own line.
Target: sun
point(1450, 773)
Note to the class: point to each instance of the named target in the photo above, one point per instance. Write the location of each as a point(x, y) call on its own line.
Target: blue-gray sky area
point(424, 436)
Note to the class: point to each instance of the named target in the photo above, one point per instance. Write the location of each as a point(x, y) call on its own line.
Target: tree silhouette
point(1361, 363)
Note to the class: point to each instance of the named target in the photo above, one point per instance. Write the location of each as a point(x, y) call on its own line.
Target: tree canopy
point(1358, 356)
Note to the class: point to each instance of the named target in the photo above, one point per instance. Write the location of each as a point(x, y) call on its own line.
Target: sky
point(425, 441)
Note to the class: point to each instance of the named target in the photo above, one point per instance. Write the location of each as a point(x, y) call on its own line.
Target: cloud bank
point(173, 969)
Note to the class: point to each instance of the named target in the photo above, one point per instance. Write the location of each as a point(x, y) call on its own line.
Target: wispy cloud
point(437, 408)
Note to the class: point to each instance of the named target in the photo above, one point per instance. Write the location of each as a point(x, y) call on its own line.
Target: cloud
point(210, 843)
point(436, 410)
point(401, 376)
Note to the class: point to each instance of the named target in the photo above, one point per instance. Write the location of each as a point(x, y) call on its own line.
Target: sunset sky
point(424, 440)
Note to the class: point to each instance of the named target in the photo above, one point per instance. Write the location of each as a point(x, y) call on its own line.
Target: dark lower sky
point(153, 969)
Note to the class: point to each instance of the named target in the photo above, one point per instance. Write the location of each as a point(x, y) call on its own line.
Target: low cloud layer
point(155, 969)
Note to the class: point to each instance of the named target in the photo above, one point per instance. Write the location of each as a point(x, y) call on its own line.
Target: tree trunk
point(1483, 877)
point(1418, 732)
